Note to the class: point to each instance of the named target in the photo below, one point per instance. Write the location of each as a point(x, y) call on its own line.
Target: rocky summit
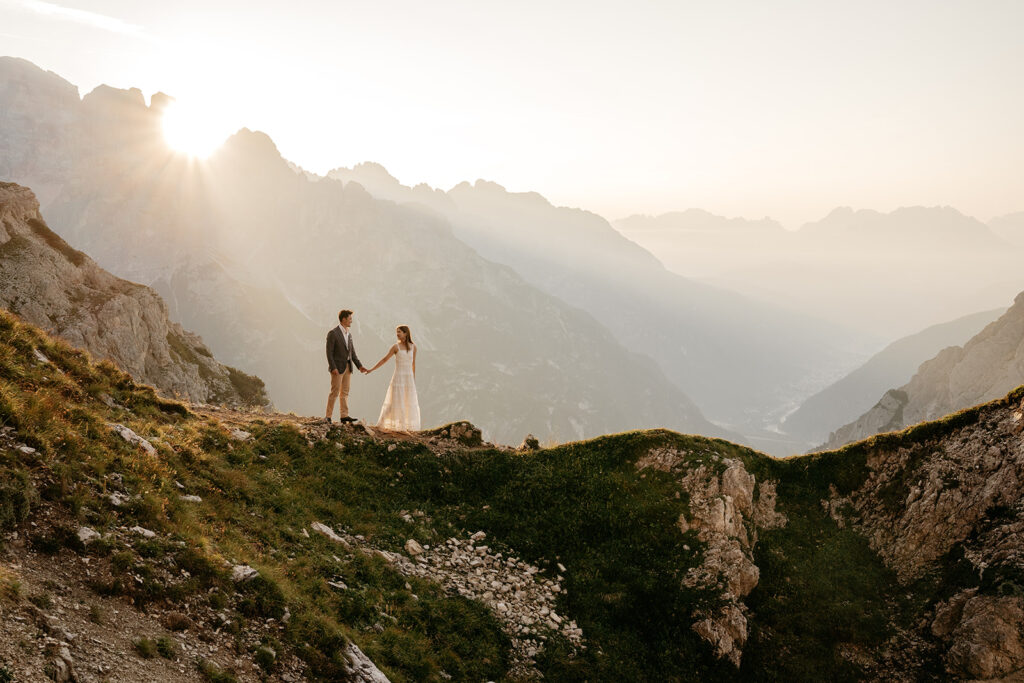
point(49, 283)
point(143, 538)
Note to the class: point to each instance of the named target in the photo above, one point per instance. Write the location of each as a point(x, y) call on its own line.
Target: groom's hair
point(342, 314)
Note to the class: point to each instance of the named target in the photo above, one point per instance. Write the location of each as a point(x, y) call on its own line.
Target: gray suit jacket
point(339, 355)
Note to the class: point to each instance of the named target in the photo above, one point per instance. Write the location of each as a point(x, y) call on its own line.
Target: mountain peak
point(109, 96)
point(251, 148)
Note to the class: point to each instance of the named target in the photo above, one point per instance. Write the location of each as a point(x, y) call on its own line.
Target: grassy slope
point(822, 591)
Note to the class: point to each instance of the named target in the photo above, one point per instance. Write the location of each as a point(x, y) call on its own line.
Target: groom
point(341, 354)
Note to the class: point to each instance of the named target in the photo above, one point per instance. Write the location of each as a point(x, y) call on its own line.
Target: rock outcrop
point(984, 369)
point(49, 283)
point(727, 507)
point(962, 491)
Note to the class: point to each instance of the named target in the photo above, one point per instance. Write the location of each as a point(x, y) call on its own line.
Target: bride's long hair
point(408, 336)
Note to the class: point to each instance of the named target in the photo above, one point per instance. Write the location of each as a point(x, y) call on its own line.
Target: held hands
point(365, 371)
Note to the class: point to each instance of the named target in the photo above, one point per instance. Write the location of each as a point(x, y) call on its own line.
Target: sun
point(191, 131)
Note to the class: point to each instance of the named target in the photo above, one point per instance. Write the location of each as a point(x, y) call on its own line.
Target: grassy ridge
point(582, 504)
point(825, 605)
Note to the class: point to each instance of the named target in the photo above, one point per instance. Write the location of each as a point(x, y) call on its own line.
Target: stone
point(241, 573)
point(118, 499)
point(530, 443)
point(360, 668)
point(87, 535)
point(726, 631)
point(141, 531)
point(325, 530)
point(240, 435)
point(988, 641)
point(133, 438)
point(413, 547)
point(192, 499)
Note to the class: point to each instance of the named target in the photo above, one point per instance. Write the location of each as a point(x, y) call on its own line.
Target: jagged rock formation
point(985, 368)
point(927, 499)
point(49, 283)
point(725, 517)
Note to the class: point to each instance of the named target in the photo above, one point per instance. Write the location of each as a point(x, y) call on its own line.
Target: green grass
point(823, 592)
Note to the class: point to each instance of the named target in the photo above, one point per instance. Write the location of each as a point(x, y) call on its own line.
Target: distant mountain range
point(742, 361)
point(259, 259)
point(886, 274)
point(989, 365)
point(894, 365)
point(49, 283)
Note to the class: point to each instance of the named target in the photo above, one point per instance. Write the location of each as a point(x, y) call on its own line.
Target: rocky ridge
point(988, 366)
point(47, 282)
point(926, 498)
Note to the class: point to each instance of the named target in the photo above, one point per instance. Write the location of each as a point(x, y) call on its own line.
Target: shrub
point(212, 673)
point(167, 648)
point(16, 498)
point(145, 647)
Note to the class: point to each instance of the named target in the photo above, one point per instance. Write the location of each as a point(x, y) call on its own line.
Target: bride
point(401, 409)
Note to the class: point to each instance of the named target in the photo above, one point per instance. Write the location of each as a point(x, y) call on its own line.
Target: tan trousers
point(339, 387)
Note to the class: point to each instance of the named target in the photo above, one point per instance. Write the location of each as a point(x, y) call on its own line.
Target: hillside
point(987, 366)
point(213, 545)
point(47, 282)
point(259, 260)
point(845, 400)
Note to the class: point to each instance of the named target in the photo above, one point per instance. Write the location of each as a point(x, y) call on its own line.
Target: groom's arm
point(330, 351)
point(355, 358)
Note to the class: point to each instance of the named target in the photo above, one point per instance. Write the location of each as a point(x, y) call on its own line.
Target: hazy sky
point(748, 108)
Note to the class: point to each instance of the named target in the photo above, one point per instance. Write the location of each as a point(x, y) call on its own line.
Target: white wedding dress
point(401, 409)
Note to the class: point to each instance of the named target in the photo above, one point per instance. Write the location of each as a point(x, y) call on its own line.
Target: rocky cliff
point(985, 368)
point(47, 282)
point(942, 505)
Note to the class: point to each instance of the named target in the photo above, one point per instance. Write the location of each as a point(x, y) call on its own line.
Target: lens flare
point(191, 131)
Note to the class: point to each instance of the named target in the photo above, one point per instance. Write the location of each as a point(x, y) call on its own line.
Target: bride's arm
point(413, 360)
point(383, 360)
